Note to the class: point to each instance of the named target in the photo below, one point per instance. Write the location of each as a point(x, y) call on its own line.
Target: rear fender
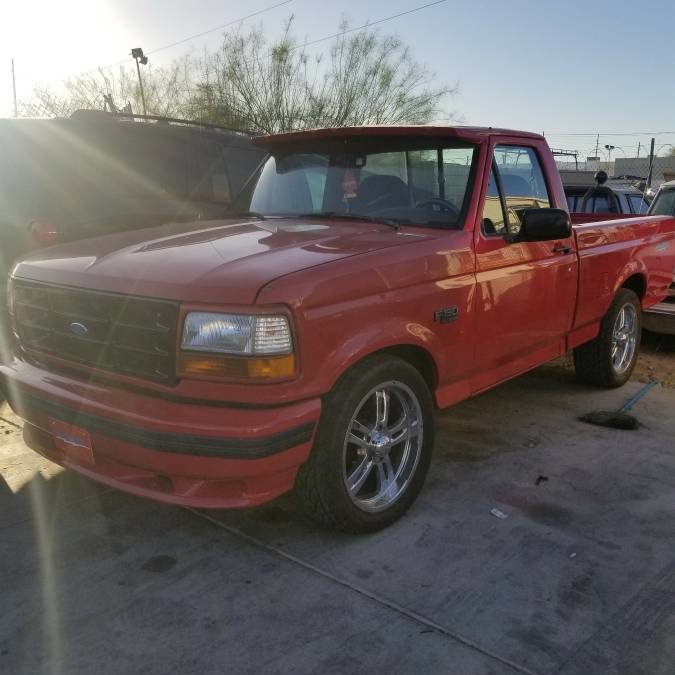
point(632, 268)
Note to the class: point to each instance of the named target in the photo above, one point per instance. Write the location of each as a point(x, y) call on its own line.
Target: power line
point(197, 35)
point(377, 22)
point(225, 25)
point(371, 23)
point(620, 133)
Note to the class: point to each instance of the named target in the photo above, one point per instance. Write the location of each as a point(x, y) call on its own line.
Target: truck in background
point(95, 173)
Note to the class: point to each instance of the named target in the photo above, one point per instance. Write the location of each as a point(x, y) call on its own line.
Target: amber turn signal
point(237, 367)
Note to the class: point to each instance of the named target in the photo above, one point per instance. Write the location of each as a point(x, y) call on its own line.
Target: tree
point(367, 78)
point(252, 84)
point(166, 91)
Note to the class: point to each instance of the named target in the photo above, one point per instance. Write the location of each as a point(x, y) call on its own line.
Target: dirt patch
point(656, 361)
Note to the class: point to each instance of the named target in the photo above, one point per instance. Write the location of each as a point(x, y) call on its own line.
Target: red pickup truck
point(368, 275)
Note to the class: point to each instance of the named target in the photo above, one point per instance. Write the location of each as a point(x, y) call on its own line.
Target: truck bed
point(579, 218)
point(638, 247)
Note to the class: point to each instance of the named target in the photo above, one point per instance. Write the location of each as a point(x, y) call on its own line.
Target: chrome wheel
point(624, 338)
point(382, 446)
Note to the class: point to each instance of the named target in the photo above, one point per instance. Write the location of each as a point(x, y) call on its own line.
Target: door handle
point(562, 249)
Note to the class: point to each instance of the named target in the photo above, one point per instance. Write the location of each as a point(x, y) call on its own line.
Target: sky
point(569, 68)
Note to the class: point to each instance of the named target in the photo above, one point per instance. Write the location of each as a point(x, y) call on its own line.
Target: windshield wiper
point(246, 214)
point(352, 216)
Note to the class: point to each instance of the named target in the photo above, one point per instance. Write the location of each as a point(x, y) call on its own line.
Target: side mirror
point(543, 225)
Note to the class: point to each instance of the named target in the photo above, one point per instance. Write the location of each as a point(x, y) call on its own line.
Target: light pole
point(16, 109)
point(139, 56)
point(609, 149)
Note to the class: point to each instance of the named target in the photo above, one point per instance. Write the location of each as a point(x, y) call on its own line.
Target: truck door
point(526, 291)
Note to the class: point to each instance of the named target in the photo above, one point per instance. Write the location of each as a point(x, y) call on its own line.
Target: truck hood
point(225, 262)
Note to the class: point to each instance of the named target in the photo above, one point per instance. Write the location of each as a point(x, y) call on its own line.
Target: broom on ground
point(619, 419)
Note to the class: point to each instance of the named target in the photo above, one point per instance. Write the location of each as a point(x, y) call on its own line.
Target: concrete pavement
point(578, 579)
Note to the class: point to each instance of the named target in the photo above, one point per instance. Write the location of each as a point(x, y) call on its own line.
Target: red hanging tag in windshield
point(350, 186)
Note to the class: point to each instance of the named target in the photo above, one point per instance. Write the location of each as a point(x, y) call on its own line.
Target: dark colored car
point(96, 173)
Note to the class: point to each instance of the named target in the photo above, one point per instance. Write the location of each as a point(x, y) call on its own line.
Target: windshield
point(664, 204)
point(411, 182)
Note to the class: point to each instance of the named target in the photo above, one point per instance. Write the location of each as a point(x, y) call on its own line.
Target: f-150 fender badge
point(446, 315)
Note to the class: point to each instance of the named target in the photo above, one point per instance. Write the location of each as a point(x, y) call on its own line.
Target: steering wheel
point(440, 205)
point(381, 200)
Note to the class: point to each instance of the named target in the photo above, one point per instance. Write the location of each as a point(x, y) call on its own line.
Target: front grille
point(118, 333)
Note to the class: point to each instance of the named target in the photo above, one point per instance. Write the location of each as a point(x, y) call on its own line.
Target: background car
point(96, 173)
point(619, 196)
point(661, 318)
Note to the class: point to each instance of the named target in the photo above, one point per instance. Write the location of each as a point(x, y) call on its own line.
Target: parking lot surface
point(577, 579)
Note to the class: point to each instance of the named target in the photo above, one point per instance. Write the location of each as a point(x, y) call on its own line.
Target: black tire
point(320, 486)
point(593, 360)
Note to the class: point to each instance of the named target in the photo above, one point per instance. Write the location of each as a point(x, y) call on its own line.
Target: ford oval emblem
point(78, 328)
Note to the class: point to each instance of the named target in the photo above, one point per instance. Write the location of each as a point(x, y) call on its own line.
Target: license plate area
point(74, 442)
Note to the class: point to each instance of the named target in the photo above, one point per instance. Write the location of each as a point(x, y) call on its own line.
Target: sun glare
point(51, 41)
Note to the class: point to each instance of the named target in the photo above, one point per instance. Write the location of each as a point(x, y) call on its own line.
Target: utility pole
point(16, 109)
point(638, 155)
point(597, 145)
point(651, 164)
point(138, 55)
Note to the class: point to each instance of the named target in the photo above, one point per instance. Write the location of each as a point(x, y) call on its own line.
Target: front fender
point(396, 331)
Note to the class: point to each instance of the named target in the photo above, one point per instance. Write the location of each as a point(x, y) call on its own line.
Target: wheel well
point(417, 357)
point(637, 284)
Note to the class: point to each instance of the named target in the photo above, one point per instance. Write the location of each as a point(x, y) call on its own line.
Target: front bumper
point(188, 453)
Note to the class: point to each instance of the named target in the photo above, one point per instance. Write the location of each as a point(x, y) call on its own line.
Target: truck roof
point(470, 134)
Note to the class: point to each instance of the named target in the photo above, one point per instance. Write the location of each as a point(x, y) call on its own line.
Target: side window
point(493, 213)
point(522, 182)
point(638, 205)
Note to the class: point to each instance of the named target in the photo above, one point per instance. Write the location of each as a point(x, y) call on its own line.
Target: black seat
point(383, 192)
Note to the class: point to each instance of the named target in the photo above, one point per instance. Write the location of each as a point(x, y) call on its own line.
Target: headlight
point(236, 346)
point(237, 334)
